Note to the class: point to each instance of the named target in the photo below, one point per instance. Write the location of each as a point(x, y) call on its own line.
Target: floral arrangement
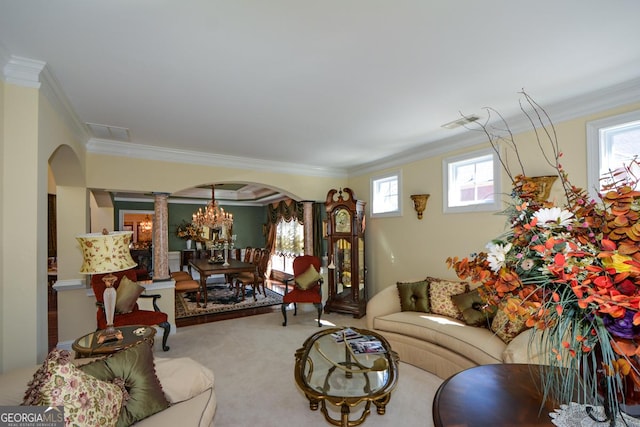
point(572, 271)
point(188, 231)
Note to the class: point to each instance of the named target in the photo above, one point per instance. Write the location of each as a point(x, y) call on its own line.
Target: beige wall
point(405, 248)
point(33, 132)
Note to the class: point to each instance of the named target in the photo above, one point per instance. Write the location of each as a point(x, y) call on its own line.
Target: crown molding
point(140, 151)
point(23, 71)
point(615, 96)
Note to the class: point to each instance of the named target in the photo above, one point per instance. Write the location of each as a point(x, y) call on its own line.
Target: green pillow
point(474, 309)
point(135, 366)
point(413, 296)
point(308, 278)
point(127, 294)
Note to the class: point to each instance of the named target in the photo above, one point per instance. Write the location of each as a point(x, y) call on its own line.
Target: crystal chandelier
point(214, 217)
point(146, 225)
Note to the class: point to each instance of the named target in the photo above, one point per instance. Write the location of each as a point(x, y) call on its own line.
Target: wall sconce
point(420, 203)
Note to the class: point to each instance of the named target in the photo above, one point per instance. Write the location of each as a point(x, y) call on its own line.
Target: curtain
point(318, 238)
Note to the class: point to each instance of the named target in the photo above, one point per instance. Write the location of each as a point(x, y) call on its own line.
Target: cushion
point(173, 371)
point(308, 278)
point(86, 400)
point(136, 367)
point(475, 311)
point(507, 329)
point(127, 294)
point(413, 296)
point(440, 293)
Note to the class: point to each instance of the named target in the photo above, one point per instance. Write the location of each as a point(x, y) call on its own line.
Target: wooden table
point(492, 395)
point(206, 269)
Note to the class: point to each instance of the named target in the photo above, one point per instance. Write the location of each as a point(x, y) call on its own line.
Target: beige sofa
point(440, 344)
point(187, 385)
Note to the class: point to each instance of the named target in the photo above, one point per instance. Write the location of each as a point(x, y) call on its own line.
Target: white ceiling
point(334, 84)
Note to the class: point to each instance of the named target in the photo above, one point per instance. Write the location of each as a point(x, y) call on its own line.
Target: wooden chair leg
point(284, 313)
point(319, 307)
point(167, 329)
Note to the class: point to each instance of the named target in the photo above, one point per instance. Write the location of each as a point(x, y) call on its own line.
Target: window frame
point(447, 162)
point(596, 148)
point(397, 174)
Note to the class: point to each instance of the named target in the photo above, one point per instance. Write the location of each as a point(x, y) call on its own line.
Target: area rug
point(222, 299)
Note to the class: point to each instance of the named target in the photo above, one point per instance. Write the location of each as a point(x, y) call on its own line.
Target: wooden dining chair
point(257, 278)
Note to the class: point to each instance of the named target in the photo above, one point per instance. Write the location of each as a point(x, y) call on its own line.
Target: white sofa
point(443, 345)
point(188, 386)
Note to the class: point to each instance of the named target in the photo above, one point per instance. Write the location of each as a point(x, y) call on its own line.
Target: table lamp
point(107, 253)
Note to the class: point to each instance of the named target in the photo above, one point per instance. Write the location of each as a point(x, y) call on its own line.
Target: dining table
point(208, 267)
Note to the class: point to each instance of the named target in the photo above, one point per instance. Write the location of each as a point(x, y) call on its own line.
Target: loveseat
point(445, 344)
point(185, 395)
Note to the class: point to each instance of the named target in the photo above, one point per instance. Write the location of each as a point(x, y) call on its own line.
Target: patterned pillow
point(133, 366)
point(505, 328)
point(86, 400)
point(440, 293)
point(413, 296)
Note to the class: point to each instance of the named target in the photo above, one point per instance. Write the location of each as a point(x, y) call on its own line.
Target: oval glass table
point(89, 345)
point(348, 373)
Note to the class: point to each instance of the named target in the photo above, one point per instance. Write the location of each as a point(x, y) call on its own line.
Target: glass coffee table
point(346, 374)
point(88, 346)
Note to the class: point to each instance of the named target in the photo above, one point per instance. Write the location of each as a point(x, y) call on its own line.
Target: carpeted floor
point(253, 358)
point(222, 299)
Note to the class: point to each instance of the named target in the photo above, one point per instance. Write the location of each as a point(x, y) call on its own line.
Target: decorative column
point(161, 238)
point(308, 227)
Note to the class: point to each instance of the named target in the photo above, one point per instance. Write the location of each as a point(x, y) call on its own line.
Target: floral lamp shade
point(106, 253)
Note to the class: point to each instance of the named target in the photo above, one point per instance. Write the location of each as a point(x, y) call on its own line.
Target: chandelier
point(214, 216)
point(146, 225)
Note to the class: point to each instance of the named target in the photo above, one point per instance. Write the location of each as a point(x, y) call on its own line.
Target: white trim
point(398, 212)
point(593, 146)
point(496, 205)
point(23, 71)
point(141, 151)
point(69, 285)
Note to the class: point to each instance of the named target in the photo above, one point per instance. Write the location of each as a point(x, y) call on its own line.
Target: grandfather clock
point(345, 241)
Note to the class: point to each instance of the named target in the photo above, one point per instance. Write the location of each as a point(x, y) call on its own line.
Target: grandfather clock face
point(343, 221)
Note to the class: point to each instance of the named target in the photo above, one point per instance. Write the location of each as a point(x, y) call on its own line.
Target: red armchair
point(307, 286)
point(135, 316)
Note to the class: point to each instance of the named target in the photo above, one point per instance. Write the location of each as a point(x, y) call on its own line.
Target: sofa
point(185, 394)
point(445, 344)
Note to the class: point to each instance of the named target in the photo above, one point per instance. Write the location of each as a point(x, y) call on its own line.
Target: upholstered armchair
point(127, 311)
point(307, 286)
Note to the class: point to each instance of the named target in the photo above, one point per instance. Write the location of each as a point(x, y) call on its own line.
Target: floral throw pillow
point(87, 401)
point(440, 293)
point(507, 329)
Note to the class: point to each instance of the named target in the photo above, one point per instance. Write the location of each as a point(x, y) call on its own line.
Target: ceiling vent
point(109, 132)
point(465, 120)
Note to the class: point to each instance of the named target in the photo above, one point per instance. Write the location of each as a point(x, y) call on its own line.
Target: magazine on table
point(367, 345)
point(348, 332)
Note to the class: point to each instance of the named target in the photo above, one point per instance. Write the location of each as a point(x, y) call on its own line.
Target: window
point(611, 143)
point(471, 182)
point(289, 244)
point(385, 195)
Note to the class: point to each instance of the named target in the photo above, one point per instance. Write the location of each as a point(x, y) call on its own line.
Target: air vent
point(461, 122)
point(109, 132)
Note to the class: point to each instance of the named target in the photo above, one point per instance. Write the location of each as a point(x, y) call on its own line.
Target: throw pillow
point(127, 294)
point(173, 372)
point(413, 296)
point(86, 400)
point(440, 293)
point(507, 329)
point(474, 309)
point(308, 278)
point(135, 366)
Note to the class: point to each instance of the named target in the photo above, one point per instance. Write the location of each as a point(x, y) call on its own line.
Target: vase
point(189, 244)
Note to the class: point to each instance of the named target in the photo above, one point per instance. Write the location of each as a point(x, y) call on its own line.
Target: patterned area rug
point(221, 299)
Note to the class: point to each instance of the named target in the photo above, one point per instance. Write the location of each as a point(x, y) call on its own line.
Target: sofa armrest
point(385, 302)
